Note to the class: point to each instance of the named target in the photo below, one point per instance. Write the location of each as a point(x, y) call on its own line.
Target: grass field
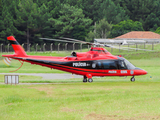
point(107, 98)
point(79, 101)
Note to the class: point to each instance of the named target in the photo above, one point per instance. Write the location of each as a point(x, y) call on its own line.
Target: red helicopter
point(96, 62)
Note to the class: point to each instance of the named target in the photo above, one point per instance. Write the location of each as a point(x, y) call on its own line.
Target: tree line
point(28, 20)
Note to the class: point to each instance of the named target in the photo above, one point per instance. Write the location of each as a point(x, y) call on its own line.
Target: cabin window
point(99, 65)
point(109, 65)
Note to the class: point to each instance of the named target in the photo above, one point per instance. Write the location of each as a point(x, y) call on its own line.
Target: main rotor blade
point(128, 48)
point(70, 39)
point(137, 49)
point(58, 40)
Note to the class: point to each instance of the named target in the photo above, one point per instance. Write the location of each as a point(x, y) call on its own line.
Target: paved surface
point(47, 76)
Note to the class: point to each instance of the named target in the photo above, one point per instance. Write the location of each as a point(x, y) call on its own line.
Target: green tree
point(125, 27)
point(153, 20)
point(26, 15)
point(158, 30)
point(112, 13)
point(79, 32)
point(101, 30)
point(33, 21)
point(90, 37)
point(43, 26)
point(71, 19)
point(91, 8)
point(1, 23)
point(54, 6)
point(145, 11)
point(7, 11)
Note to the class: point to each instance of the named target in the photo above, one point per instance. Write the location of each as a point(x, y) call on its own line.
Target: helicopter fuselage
point(96, 62)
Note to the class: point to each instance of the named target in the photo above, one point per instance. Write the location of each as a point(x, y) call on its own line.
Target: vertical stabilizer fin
point(19, 51)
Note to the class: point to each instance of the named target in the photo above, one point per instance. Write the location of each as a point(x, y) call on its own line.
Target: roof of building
point(139, 35)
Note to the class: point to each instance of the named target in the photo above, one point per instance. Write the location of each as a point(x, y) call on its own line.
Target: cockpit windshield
point(125, 64)
point(129, 65)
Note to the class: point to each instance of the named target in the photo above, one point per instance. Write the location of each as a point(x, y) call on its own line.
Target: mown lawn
point(81, 101)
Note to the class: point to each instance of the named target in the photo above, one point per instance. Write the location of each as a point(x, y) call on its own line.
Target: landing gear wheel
point(90, 80)
point(132, 79)
point(85, 80)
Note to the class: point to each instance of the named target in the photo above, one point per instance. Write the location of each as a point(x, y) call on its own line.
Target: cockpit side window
point(125, 64)
point(121, 65)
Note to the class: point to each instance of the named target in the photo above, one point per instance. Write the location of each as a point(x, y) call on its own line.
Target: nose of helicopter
point(144, 72)
point(140, 71)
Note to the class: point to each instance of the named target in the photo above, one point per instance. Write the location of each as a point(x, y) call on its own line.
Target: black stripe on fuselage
point(13, 42)
point(59, 64)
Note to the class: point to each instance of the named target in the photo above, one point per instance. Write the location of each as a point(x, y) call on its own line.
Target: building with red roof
point(134, 37)
point(139, 35)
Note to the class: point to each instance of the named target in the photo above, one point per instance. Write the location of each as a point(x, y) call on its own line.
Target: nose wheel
point(132, 79)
